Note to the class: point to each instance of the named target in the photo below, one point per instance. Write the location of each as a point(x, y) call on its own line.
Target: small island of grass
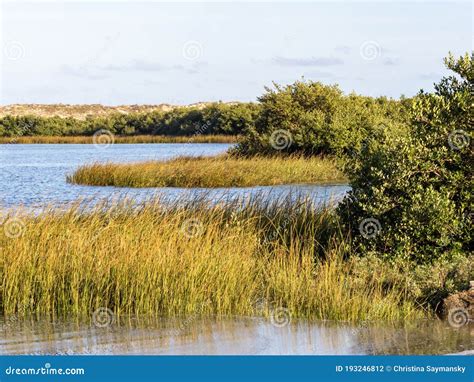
point(219, 171)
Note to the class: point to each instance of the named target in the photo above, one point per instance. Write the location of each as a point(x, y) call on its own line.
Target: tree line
point(213, 119)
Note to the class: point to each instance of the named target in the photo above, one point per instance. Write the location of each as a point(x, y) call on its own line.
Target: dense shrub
point(312, 118)
point(14, 126)
point(427, 284)
point(218, 118)
point(412, 194)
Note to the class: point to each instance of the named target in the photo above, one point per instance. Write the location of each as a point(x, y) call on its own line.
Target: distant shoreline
point(119, 139)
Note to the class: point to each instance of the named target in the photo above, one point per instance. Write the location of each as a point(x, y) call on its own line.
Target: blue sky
point(179, 53)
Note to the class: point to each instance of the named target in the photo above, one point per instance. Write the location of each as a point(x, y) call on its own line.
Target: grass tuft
point(219, 171)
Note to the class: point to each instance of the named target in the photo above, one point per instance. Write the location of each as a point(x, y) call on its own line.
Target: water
point(33, 175)
point(244, 335)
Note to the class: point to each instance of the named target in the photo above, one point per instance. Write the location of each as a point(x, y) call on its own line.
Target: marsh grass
point(218, 171)
point(189, 258)
point(201, 138)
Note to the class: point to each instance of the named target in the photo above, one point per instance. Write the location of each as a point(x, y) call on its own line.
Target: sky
point(128, 52)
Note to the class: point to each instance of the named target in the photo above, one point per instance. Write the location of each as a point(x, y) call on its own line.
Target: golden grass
point(219, 171)
point(152, 259)
point(123, 139)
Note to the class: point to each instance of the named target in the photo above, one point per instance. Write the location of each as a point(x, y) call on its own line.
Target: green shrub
point(411, 194)
point(426, 284)
point(14, 126)
point(312, 118)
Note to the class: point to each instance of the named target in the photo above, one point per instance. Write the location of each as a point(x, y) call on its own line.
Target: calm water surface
point(35, 174)
point(230, 336)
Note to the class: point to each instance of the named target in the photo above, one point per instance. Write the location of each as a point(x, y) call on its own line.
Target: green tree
point(316, 119)
point(412, 194)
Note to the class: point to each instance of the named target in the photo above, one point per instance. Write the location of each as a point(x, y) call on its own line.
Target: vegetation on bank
point(314, 119)
point(252, 257)
point(220, 171)
point(211, 119)
point(104, 139)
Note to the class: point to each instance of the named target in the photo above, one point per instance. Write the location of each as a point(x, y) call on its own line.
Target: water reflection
point(230, 336)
